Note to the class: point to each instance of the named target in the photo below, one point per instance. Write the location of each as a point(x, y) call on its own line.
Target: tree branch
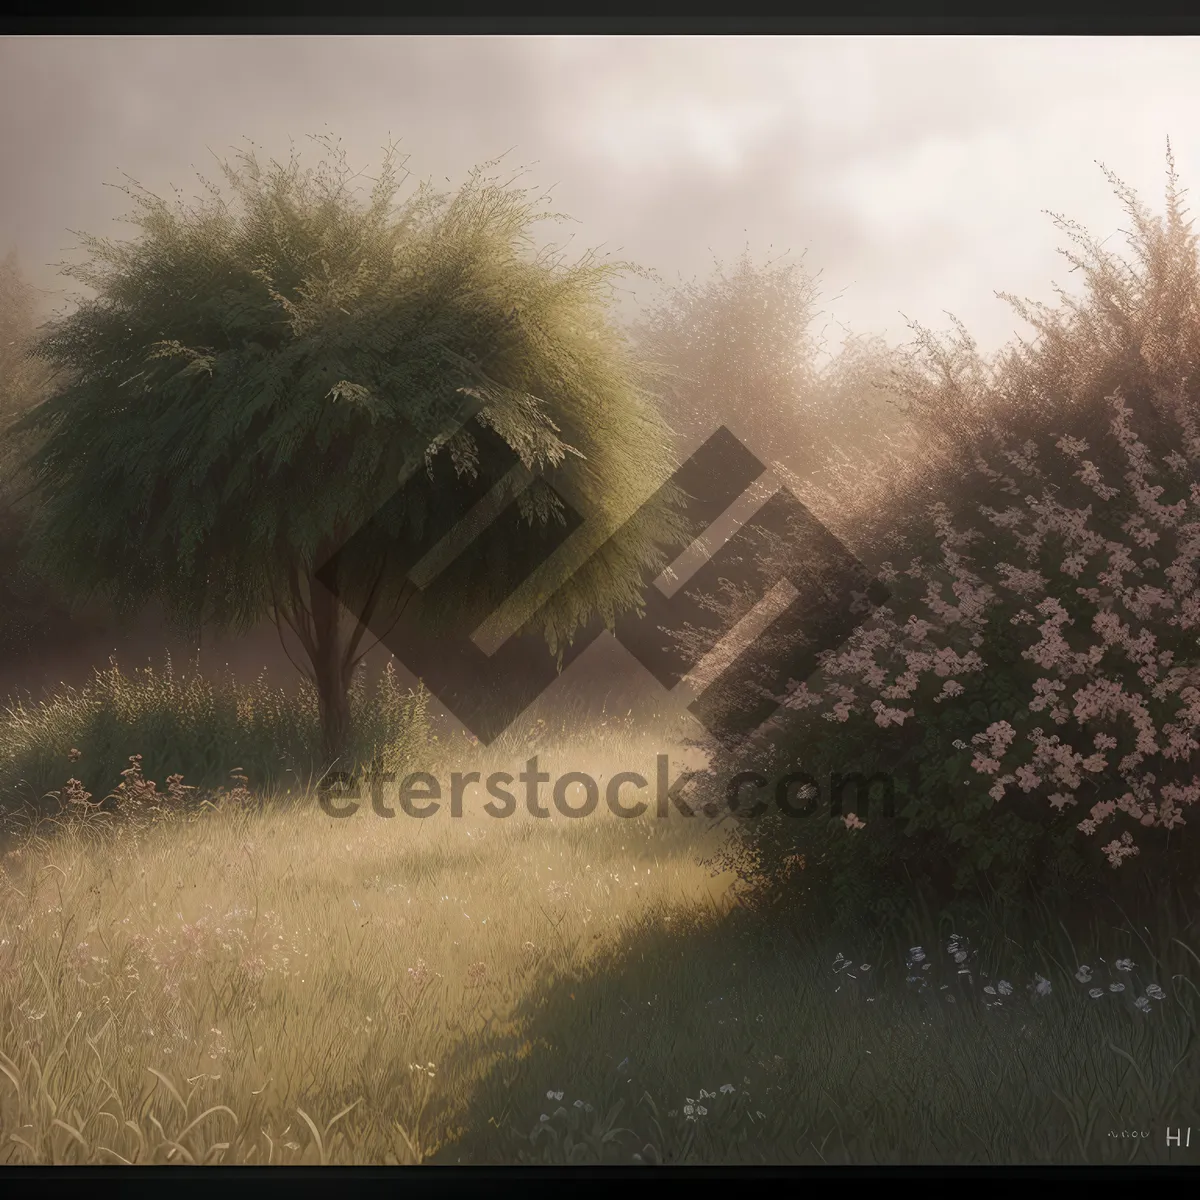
point(279, 615)
point(364, 619)
point(306, 630)
point(412, 592)
point(307, 672)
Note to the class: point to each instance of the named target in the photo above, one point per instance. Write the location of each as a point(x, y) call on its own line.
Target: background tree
point(255, 375)
point(741, 349)
point(25, 604)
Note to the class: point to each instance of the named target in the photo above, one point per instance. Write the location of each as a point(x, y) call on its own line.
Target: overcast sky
point(914, 171)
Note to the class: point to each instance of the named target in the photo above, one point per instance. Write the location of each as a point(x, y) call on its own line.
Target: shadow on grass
point(727, 1040)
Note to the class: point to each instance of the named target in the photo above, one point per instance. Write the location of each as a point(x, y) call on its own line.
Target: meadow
point(200, 964)
point(243, 979)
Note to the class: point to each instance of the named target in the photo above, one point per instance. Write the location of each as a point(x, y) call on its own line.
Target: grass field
point(261, 983)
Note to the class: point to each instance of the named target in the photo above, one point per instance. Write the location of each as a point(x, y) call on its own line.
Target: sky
point(912, 172)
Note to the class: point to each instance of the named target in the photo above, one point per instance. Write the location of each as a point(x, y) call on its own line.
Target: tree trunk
point(332, 677)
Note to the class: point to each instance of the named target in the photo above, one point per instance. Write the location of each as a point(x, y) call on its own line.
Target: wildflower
point(1154, 991)
point(701, 1110)
point(554, 1095)
point(989, 990)
point(420, 974)
point(1096, 993)
point(578, 1103)
point(688, 1109)
point(1004, 987)
point(916, 954)
point(1084, 974)
point(544, 1118)
point(1041, 985)
point(726, 1088)
point(1125, 964)
point(1116, 987)
point(1142, 1003)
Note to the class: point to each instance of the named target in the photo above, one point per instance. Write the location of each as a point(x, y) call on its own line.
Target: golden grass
point(265, 984)
point(275, 986)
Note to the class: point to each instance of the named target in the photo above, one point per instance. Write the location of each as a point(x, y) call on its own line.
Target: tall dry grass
point(181, 721)
point(230, 983)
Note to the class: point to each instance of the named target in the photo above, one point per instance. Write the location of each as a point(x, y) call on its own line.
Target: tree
point(22, 377)
point(257, 373)
point(25, 604)
point(739, 349)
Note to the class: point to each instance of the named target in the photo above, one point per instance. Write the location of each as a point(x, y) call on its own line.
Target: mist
point(912, 173)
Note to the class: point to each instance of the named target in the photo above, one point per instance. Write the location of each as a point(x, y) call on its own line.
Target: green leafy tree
point(256, 374)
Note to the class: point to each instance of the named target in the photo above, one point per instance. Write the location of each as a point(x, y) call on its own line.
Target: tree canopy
point(257, 373)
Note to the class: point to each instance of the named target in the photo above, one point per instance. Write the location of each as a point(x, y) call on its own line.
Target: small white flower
point(1004, 987)
point(1041, 985)
point(1116, 987)
point(544, 1118)
point(701, 1110)
point(1096, 993)
point(1084, 974)
point(916, 954)
point(1154, 991)
point(1142, 1003)
point(688, 1109)
point(554, 1095)
point(578, 1103)
point(865, 967)
point(961, 957)
point(726, 1088)
point(1125, 964)
point(991, 991)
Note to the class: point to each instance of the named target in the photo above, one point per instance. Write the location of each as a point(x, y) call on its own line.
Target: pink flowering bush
point(1033, 683)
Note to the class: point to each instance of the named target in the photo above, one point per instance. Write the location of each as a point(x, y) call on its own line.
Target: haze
point(913, 171)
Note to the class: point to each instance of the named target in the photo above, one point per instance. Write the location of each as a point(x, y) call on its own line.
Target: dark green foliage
point(254, 377)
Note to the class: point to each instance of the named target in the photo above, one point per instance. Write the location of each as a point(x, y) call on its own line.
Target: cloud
point(912, 169)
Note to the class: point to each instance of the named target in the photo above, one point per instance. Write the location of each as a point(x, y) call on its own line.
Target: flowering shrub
point(1098, 706)
point(1032, 683)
